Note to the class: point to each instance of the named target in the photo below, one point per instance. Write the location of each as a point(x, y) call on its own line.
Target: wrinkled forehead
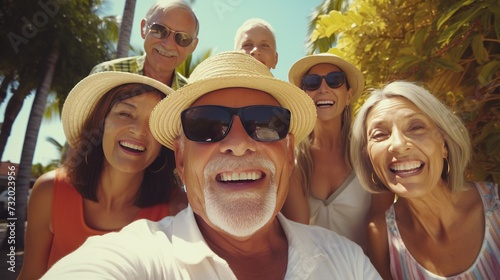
point(257, 30)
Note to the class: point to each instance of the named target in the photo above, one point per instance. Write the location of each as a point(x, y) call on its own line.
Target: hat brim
point(165, 120)
point(86, 94)
point(354, 76)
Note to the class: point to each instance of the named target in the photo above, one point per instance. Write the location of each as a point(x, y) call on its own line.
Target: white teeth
point(133, 146)
point(404, 166)
point(167, 53)
point(324, 103)
point(242, 176)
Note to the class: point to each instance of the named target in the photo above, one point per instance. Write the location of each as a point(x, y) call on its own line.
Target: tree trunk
point(125, 29)
point(11, 112)
point(7, 79)
point(23, 177)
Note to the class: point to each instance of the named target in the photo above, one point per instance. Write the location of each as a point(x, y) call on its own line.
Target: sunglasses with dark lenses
point(161, 31)
point(212, 123)
point(333, 79)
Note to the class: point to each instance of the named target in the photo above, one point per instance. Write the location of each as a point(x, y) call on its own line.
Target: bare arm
point(378, 246)
point(39, 234)
point(296, 207)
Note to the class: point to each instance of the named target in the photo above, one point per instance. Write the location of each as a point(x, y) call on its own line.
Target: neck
point(327, 134)
point(263, 253)
point(165, 77)
point(118, 189)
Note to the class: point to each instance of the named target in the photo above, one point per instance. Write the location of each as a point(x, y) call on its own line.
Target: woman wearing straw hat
point(115, 173)
point(324, 190)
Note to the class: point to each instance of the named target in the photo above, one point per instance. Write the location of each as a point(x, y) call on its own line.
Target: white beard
point(240, 213)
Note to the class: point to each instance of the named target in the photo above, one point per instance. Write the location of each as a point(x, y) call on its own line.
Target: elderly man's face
point(164, 55)
point(237, 185)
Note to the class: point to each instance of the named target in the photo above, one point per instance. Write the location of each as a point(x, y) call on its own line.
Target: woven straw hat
point(354, 76)
point(86, 94)
point(227, 70)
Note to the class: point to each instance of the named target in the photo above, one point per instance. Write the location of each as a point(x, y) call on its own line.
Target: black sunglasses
point(333, 79)
point(212, 123)
point(161, 31)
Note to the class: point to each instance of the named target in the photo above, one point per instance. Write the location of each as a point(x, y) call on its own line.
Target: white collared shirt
point(174, 248)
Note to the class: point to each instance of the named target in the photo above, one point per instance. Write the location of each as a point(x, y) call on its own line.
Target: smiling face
point(258, 41)
point(405, 147)
point(237, 185)
point(164, 55)
point(127, 143)
point(330, 102)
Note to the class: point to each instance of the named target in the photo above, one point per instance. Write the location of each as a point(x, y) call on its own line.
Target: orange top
point(68, 222)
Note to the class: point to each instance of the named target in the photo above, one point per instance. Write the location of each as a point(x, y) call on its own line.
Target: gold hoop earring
point(447, 166)
point(161, 168)
point(373, 180)
point(86, 160)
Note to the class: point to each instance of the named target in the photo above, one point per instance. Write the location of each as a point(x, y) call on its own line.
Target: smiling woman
point(405, 141)
point(324, 190)
point(115, 172)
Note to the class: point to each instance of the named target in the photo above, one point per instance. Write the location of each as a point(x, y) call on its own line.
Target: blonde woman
point(406, 142)
point(324, 189)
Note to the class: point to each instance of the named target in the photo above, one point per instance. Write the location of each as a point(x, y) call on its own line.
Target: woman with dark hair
point(115, 172)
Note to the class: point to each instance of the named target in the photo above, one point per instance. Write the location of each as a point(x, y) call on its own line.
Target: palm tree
point(125, 29)
point(61, 69)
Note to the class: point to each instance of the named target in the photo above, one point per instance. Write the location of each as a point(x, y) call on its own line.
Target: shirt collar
point(189, 246)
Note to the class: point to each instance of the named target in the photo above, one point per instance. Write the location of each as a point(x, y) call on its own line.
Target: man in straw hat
point(233, 128)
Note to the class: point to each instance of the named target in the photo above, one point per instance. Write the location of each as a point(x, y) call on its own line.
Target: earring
point(161, 168)
point(86, 160)
point(373, 180)
point(445, 163)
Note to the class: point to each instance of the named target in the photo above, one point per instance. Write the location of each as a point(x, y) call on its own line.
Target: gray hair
point(250, 22)
point(450, 126)
point(165, 5)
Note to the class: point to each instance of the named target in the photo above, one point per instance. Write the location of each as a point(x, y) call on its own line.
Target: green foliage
point(188, 65)
point(450, 47)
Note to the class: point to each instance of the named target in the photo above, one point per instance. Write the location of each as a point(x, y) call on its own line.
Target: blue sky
point(219, 20)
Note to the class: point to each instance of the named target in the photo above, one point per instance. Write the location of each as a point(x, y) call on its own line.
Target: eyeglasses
point(333, 79)
point(211, 123)
point(161, 31)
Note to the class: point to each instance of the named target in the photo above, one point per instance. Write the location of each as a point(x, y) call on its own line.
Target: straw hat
point(86, 94)
point(354, 76)
point(227, 70)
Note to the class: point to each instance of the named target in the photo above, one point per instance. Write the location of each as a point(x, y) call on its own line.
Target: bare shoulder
point(41, 193)
point(44, 184)
point(378, 245)
point(377, 226)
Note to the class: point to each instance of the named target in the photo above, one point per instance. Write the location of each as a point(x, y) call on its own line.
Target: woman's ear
point(349, 96)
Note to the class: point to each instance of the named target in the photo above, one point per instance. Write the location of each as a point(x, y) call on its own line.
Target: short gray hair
point(451, 127)
point(250, 22)
point(165, 5)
